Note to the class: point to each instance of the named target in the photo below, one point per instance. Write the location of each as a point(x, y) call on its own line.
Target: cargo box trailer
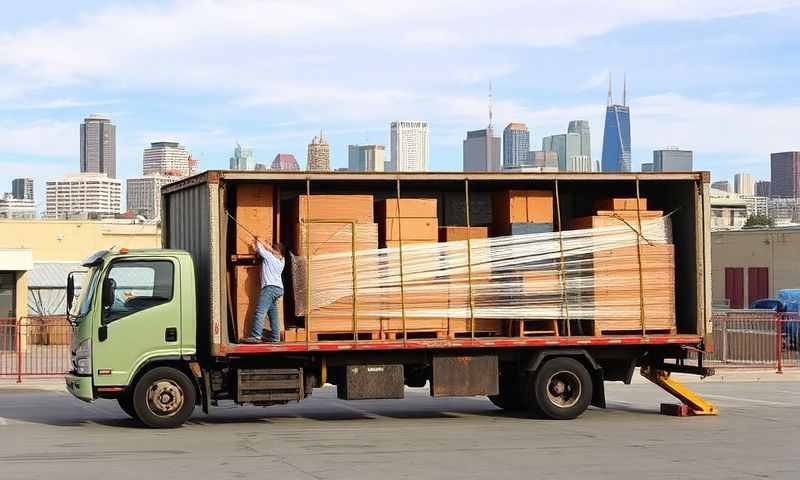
point(531, 289)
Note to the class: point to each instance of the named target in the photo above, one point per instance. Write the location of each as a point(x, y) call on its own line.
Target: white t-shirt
point(271, 267)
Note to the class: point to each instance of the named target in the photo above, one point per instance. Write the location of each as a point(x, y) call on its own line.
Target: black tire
point(126, 404)
point(511, 396)
point(561, 389)
point(164, 397)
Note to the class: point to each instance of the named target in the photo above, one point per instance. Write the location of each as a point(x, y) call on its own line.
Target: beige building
point(144, 194)
point(728, 210)
point(87, 195)
point(37, 255)
point(169, 158)
point(319, 154)
point(750, 264)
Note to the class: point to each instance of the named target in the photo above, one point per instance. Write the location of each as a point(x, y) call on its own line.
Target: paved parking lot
point(48, 434)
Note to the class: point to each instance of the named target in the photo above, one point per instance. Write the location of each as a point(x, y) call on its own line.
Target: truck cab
point(134, 314)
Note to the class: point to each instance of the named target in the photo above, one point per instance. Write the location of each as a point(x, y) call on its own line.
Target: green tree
point(759, 221)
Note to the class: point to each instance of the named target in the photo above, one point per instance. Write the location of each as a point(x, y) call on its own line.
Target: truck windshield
point(83, 303)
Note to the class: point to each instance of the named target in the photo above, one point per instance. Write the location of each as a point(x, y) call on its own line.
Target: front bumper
point(80, 387)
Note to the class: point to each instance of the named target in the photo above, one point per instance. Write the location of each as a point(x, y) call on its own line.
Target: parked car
point(787, 305)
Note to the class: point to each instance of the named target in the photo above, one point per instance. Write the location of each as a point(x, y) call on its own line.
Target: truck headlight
point(83, 354)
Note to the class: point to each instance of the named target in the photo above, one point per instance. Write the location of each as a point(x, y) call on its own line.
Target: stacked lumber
point(412, 220)
point(619, 297)
point(254, 212)
point(456, 234)
point(516, 212)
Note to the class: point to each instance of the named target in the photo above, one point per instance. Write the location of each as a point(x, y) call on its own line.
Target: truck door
point(140, 317)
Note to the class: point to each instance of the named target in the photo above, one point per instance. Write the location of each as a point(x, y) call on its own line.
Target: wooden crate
point(520, 206)
point(358, 208)
point(455, 234)
point(253, 210)
point(409, 208)
point(620, 204)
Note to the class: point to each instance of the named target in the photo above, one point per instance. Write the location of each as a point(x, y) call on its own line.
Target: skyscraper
point(319, 154)
point(743, 184)
point(22, 188)
point(617, 134)
point(242, 158)
point(366, 158)
point(285, 162)
point(409, 145)
point(88, 195)
point(144, 193)
point(723, 185)
point(762, 188)
point(581, 127)
point(672, 160)
point(168, 158)
point(516, 145)
point(99, 146)
point(566, 146)
point(785, 173)
point(482, 151)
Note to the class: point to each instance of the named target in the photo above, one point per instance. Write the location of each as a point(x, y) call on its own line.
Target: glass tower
point(516, 145)
point(617, 139)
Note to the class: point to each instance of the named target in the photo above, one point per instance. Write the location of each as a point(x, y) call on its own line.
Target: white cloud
point(43, 138)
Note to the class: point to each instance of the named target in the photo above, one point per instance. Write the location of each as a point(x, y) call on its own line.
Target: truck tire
point(164, 397)
point(561, 389)
point(511, 396)
point(125, 401)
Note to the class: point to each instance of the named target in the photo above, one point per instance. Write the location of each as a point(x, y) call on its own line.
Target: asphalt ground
point(45, 433)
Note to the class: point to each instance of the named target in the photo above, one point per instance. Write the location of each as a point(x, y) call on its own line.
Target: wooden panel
point(598, 221)
point(757, 283)
point(406, 243)
point(454, 234)
point(335, 237)
point(620, 204)
point(357, 208)
point(412, 229)
point(734, 286)
point(253, 210)
point(521, 206)
point(409, 208)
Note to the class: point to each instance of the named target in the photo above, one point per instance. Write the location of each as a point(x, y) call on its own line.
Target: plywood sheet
point(254, 211)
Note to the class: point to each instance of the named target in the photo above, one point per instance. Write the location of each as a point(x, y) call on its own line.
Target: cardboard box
point(409, 208)
point(253, 210)
point(620, 204)
point(455, 234)
point(357, 208)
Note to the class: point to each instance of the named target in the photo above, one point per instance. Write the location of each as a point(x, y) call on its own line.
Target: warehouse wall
point(777, 249)
point(54, 240)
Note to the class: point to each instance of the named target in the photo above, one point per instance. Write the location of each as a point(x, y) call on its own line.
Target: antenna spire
point(491, 103)
point(609, 101)
point(624, 90)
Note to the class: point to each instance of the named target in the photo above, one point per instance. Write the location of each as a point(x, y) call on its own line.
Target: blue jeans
point(267, 305)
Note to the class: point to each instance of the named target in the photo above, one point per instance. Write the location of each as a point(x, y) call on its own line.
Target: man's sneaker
point(250, 340)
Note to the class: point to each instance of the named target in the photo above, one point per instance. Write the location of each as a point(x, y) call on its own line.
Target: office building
point(409, 146)
point(722, 185)
point(482, 151)
point(762, 188)
point(579, 163)
point(756, 205)
point(785, 175)
point(12, 207)
point(647, 167)
point(743, 184)
point(319, 154)
point(617, 135)
point(144, 194)
point(83, 195)
point(566, 146)
point(547, 161)
point(784, 210)
point(167, 158)
point(516, 145)
point(366, 158)
point(728, 210)
point(99, 146)
point(285, 162)
point(22, 188)
point(242, 158)
point(672, 160)
point(581, 127)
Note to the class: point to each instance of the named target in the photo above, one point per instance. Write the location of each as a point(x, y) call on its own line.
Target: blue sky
point(717, 77)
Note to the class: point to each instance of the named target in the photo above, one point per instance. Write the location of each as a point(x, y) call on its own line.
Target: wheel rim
point(564, 389)
point(165, 398)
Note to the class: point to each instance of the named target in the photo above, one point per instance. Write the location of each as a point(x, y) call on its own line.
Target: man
point(272, 263)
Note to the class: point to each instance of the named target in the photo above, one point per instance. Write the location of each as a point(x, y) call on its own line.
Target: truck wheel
point(561, 389)
point(126, 404)
point(510, 397)
point(164, 398)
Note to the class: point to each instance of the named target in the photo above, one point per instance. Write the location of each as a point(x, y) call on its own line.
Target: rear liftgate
point(691, 402)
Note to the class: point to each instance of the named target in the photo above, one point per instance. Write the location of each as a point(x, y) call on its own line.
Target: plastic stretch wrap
point(587, 274)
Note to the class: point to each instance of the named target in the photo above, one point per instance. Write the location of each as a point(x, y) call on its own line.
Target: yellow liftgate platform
point(691, 402)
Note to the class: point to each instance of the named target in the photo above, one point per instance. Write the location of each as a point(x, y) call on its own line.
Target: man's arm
point(264, 249)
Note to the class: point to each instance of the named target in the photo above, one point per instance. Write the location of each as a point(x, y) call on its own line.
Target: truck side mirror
point(109, 289)
point(70, 292)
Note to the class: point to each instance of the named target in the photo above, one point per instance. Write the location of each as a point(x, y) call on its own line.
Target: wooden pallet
point(293, 335)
